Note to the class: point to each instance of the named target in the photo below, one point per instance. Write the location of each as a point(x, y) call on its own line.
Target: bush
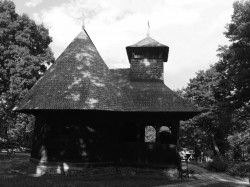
point(217, 165)
point(241, 170)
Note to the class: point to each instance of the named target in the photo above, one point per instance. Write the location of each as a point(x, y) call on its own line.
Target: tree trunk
point(216, 147)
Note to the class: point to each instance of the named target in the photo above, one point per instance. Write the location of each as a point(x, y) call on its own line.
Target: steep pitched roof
point(151, 96)
point(79, 79)
point(148, 42)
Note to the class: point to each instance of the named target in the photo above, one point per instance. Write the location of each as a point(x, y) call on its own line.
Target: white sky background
point(192, 29)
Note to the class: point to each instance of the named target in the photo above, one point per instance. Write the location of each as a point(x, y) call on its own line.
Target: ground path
point(203, 177)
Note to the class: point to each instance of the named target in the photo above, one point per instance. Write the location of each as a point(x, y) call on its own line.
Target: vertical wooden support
point(139, 140)
point(40, 136)
point(177, 135)
point(157, 133)
point(142, 133)
point(36, 138)
point(117, 146)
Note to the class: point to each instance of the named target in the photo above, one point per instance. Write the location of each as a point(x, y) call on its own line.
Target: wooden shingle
point(79, 79)
point(151, 96)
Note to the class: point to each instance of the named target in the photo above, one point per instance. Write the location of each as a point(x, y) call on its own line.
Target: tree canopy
point(209, 129)
point(24, 55)
point(222, 92)
point(234, 63)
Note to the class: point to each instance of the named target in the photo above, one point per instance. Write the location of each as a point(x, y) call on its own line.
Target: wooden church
point(88, 114)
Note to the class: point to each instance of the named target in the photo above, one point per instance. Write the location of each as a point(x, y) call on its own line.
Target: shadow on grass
point(225, 184)
point(20, 180)
point(18, 172)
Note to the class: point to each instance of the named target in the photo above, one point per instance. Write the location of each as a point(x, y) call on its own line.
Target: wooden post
point(117, 144)
point(157, 133)
point(177, 135)
point(139, 139)
point(138, 143)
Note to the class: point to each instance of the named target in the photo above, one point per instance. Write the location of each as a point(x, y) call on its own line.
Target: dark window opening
point(165, 135)
point(149, 55)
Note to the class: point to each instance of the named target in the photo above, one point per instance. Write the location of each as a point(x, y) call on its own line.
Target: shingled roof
point(151, 96)
point(79, 79)
point(148, 42)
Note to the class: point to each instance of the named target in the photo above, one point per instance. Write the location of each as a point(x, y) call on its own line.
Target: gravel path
point(203, 177)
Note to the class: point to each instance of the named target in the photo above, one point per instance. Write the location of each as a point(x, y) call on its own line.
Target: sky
point(193, 29)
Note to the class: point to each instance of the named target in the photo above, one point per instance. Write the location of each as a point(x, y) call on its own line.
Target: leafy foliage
point(210, 129)
point(218, 165)
point(234, 66)
point(24, 55)
point(222, 92)
point(242, 170)
point(234, 63)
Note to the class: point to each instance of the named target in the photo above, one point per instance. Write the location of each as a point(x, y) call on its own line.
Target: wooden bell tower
point(146, 60)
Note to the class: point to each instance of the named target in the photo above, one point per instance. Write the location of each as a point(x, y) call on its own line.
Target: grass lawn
point(16, 172)
point(26, 181)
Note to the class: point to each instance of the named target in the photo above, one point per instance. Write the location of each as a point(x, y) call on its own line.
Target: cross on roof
point(83, 21)
point(148, 33)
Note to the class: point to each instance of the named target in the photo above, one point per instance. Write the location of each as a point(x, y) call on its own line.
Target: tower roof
point(79, 79)
point(148, 42)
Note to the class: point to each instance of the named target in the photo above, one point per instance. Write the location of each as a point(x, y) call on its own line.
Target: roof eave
point(130, 50)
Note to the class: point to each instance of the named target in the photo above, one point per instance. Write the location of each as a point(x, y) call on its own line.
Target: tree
point(234, 67)
point(24, 55)
point(234, 63)
point(212, 126)
point(193, 137)
point(223, 90)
